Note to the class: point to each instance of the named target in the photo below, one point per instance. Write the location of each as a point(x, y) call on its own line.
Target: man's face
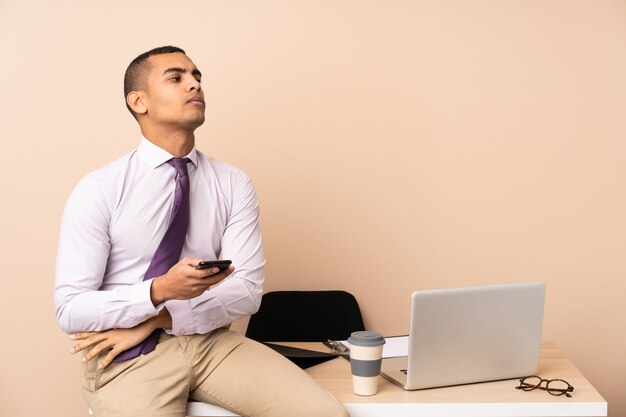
point(172, 93)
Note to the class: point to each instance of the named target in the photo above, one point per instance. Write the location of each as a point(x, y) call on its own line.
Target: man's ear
point(135, 100)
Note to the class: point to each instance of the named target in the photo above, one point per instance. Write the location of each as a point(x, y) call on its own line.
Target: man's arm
point(84, 248)
point(181, 282)
point(240, 294)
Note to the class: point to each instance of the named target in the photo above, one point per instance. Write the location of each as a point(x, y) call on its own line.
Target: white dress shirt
point(113, 223)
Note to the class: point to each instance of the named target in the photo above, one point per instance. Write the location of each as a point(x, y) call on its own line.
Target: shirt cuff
point(182, 317)
point(139, 297)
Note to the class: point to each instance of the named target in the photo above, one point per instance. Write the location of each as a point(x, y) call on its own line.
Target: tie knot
point(180, 164)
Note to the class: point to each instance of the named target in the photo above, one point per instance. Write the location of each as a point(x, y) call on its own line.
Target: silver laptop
point(467, 335)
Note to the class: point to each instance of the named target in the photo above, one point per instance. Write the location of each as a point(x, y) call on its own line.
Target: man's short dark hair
point(138, 68)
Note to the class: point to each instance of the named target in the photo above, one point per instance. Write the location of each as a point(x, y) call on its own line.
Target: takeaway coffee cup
point(366, 352)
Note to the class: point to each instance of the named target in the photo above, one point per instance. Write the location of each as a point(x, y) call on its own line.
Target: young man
point(152, 327)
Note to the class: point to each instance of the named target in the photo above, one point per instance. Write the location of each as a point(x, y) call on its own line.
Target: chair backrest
point(305, 316)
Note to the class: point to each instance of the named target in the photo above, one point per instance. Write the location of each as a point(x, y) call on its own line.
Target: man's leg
point(155, 385)
point(255, 381)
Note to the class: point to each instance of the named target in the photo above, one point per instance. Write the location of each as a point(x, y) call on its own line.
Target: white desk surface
point(491, 399)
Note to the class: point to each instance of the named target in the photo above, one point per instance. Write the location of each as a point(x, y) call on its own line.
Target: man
point(152, 327)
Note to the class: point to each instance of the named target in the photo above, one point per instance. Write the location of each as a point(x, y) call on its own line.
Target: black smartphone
point(221, 264)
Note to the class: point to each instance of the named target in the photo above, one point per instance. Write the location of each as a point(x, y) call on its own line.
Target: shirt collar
point(155, 156)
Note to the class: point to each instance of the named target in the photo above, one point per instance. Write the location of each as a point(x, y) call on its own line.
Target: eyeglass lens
point(558, 387)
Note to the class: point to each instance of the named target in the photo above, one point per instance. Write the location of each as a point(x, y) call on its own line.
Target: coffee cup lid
point(366, 338)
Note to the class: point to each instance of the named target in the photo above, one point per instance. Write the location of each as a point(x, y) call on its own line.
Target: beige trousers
point(222, 368)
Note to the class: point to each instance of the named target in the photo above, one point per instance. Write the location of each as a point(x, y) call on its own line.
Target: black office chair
point(305, 316)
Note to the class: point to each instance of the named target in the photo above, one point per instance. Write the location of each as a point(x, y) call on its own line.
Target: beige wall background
point(395, 146)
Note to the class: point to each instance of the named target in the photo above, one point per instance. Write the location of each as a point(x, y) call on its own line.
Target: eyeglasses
point(553, 386)
point(338, 348)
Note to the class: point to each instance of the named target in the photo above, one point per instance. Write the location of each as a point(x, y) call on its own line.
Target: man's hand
point(118, 340)
point(183, 281)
